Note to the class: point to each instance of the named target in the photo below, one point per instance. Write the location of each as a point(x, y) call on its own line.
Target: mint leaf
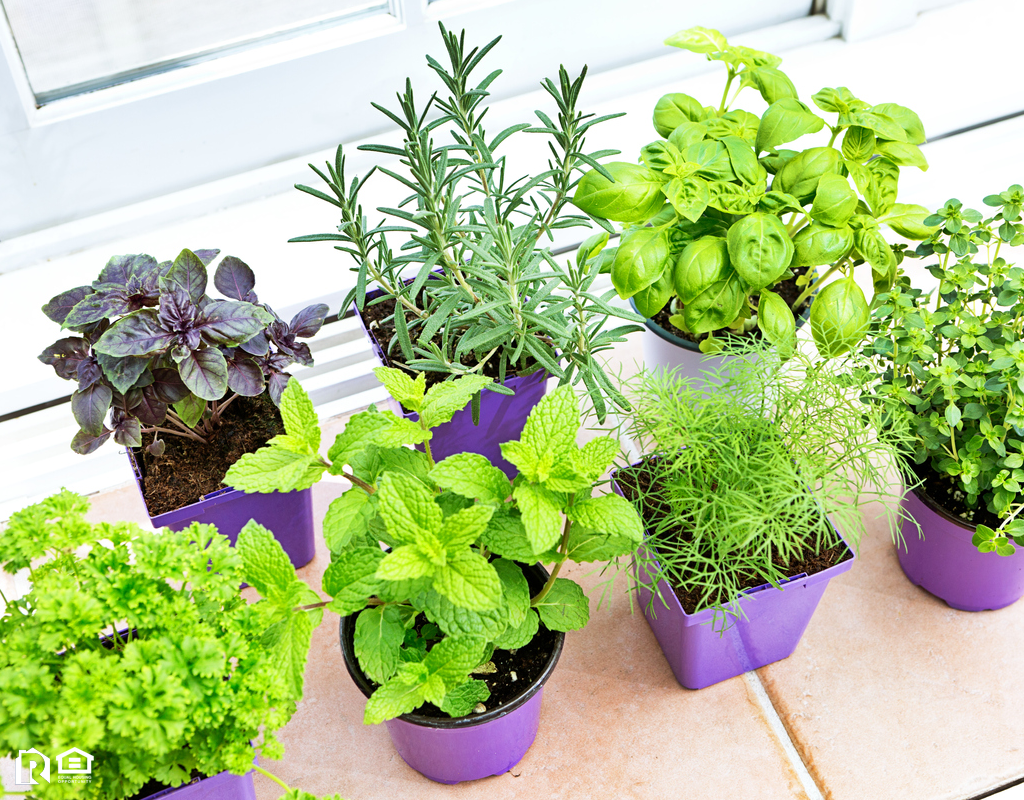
point(463, 527)
point(595, 457)
point(541, 514)
point(351, 579)
point(358, 435)
point(453, 657)
point(444, 399)
point(347, 516)
point(404, 692)
point(378, 637)
point(293, 636)
point(463, 699)
point(400, 386)
point(273, 469)
point(400, 432)
point(456, 621)
point(407, 507)
point(564, 478)
point(550, 432)
point(515, 591)
point(565, 607)
point(506, 536)
point(300, 419)
point(609, 513)
point(514, 638)
point(586, 544)
point(473, 476)
point(469, 581)
point(405, 563)
point(265, 562)
point(413, 463)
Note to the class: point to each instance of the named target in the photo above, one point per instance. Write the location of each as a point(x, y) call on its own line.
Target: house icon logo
point(26, 765)
point(74, 762)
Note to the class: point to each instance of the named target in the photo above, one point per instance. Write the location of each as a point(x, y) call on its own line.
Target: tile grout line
point(782, 735)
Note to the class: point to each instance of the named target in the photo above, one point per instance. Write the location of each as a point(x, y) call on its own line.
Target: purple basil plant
point(156, 354)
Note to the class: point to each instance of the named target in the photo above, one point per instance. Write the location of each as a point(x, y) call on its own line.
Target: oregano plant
point(154, 353)
point(137, 647)
point(429, 555)
point(720, 212)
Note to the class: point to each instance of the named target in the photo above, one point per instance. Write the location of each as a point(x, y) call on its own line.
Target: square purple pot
point(223, 786)
point(502, 417)
point(288, 515)
point(768, 628)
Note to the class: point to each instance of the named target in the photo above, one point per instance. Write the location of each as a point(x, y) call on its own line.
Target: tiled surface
point(893, 694)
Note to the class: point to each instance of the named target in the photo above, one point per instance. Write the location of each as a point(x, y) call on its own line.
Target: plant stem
point(272, 777)
point(219, 410)
point(814, 286)
point(357, 482)
point(562, 548)
point(176, 420)
point(725, 93)
point(185, 435)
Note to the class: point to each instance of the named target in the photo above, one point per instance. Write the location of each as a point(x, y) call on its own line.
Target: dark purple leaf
point(300, 352)
point(88, 372)
point(177, 311)
point(231, 323)
point(122, 372)
point(156, 448)
point(145, 379)
point(131, 399)
point(187, 273)
point(167, 386)
point(65, 355)
point(206, 256)
point(152, 410)
point(90, 407)
point(85, 443)
point(205, 373)
point(245, 377)
point(95, 331)
point(308, 321)
point(60, 306)
point(111, 301)
point(257, 345)
point(128, 433)
point(138, 334)
point(120, 269)
point(275, 385)
point(149, 278)
point(233, 278)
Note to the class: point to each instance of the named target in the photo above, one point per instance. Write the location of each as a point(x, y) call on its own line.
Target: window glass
point(69, 46)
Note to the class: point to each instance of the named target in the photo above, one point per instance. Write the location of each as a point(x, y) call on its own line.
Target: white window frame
point(113, 147)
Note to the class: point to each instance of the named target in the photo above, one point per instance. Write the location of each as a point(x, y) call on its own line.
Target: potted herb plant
point(135, 648)
point(155, 357)
point(727, 233)
point(450, 626)
point(472, 289)
point(736, 491)
point(954, 362)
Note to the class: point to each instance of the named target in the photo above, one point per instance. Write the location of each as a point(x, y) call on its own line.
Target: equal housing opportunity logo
point(73, 766)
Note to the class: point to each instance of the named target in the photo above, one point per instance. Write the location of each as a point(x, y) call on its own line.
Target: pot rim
point(421, 720)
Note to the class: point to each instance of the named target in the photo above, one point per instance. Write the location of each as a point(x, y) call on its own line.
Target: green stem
point(272, 777)
point(814, 286)
point(835, 133)
point(725, 95)
point(357, 482)
point(563, 547)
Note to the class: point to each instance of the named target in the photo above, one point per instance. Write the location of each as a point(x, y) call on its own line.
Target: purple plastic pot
point(468, 748)
point(946, 564)
point(768, 629)
point(502, 417)
point(288, 515)
point(223, 786)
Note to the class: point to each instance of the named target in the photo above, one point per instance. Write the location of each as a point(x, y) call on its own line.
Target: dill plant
point(739, 483)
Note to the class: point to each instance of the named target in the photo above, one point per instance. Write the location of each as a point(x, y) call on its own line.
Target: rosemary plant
point(475, 289)
point(739, 484)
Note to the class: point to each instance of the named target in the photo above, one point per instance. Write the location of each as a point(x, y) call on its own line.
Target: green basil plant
point(430, 555)
point(719, 210)
point(955, 360)
point(136, 647)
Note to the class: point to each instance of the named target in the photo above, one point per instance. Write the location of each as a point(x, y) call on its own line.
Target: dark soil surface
point(946, 492)
point(383, 330)
point(787, 290)
point(189, 469)
point(643, 484)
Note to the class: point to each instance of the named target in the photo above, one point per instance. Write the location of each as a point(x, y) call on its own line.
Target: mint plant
point(137, 648)
point(447, 588)
point(474, 289)
point(156, 354)
point(718, 213)
point(955, 360)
